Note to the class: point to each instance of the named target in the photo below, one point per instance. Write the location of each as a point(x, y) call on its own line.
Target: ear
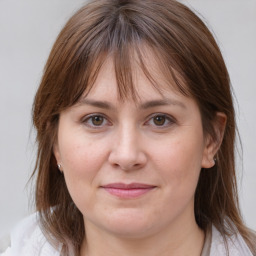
point(212, 144)
point(56, 152)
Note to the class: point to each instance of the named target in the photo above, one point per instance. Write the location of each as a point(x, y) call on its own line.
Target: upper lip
point(128, 186)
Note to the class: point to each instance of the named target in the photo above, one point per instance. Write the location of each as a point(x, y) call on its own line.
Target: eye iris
point(97, 120)
point(159, 120)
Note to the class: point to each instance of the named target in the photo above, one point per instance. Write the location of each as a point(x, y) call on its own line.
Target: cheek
point(179, 160)
point(180, 153)
point(80, 156)
point(82, 162)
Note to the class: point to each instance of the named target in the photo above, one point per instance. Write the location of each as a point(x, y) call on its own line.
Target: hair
point(186, 50)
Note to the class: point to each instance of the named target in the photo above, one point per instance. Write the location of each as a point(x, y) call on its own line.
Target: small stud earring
point(59, 166)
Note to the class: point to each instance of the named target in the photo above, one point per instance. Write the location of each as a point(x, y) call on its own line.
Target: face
point(132, 169)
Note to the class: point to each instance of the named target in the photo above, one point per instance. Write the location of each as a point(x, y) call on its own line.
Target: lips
point(126, 191)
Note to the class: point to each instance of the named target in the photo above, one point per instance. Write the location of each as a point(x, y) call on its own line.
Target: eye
point(160, 120)
point(95, 121)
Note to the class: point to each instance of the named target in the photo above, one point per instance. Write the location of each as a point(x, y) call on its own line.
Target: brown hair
point(183, 45)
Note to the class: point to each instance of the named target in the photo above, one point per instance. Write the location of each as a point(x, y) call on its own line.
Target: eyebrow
point(144, 105)
point(162, 102)
point(96, 103)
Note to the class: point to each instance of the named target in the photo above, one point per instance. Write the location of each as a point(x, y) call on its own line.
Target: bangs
point(128, 60)
point(129, 48)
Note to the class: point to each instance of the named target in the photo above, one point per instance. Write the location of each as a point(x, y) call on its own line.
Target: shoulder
point(27, 239)
point(236, 245)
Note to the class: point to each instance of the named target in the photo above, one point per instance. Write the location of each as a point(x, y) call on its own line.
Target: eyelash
point(168, 121)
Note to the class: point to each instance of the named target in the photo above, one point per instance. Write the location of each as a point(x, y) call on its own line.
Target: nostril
point(128, 167)
point(116, 166)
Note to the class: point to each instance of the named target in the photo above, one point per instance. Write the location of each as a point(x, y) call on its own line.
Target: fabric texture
point(27, 239)
point(236, 245)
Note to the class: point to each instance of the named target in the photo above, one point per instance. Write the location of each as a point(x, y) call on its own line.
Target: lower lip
point(128, 193)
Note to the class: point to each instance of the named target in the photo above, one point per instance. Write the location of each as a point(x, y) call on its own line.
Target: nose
point(127, 150)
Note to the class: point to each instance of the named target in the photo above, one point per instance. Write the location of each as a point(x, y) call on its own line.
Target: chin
point(129, 224)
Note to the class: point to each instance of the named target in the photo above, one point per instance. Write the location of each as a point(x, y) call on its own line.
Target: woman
point(135, 129)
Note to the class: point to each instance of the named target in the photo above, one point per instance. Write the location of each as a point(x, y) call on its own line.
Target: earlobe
point(213, 141)
point(57, 156)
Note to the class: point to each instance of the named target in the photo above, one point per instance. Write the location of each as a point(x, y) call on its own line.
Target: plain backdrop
point(28, 28)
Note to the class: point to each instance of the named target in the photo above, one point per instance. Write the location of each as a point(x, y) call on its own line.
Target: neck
point(186, 240)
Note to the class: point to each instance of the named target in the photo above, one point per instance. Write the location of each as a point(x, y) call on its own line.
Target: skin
point(160, 144)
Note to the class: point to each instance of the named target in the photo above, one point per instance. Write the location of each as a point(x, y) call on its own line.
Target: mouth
point(128, 191)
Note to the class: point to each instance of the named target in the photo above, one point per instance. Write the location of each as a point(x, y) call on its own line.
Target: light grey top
point(207, 243)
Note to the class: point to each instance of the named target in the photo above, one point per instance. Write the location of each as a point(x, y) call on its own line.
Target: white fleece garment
point(27, 239)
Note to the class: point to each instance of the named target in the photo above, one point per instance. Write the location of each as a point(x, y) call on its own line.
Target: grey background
point(28, 29)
